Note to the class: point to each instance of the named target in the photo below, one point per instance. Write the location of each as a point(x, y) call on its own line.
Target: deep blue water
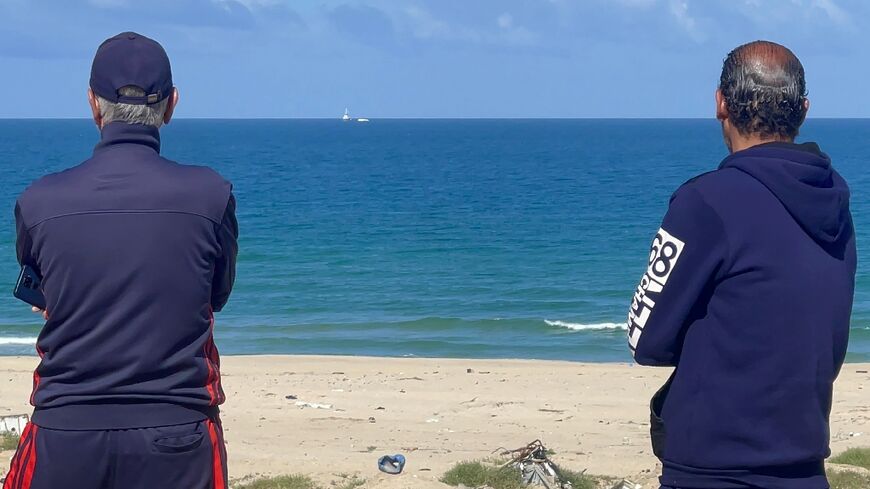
point(458, 238)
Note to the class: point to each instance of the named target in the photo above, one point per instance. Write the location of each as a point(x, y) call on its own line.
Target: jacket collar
point(118, 133)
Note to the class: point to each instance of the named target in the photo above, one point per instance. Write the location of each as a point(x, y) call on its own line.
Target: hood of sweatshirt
point(802, 178)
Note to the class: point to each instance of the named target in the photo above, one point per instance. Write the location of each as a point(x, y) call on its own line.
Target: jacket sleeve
point(23, 242)
point(685, 257)
point(225, 267)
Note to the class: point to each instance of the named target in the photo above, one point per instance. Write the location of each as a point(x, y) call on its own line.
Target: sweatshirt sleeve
point(684, 259)
point(225, 268)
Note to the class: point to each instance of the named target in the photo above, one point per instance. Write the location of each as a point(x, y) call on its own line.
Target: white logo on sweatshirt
point(663, 256)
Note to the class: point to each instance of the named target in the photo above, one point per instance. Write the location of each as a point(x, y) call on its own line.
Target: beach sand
point(437, 412)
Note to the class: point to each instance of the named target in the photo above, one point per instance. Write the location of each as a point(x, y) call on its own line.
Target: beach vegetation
point(298, 482)
point(8, 441)
point(580, 480)
point(280, 482)
point(859, 457)
point(349, 482)
point(481, 473)
point(848, 480)
point(489, 474)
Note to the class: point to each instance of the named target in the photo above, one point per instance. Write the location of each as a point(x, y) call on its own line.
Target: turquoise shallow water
point(454, 238)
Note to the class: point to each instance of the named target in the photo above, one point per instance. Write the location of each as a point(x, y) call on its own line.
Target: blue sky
point(434, 58)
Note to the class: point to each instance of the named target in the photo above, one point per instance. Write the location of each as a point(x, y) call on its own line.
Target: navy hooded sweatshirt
point(748, 294)
point(136, 253)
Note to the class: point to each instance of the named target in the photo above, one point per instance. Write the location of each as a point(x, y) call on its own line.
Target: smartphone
point(29, 288)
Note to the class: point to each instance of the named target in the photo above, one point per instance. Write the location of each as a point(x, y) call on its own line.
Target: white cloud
point(680, 11)
point(762, 11)
point(109, 3)
point(637, 3)
point(252, 4)
point(423, 25)
point(426, 26)
point(505, 21)
point(834, 11)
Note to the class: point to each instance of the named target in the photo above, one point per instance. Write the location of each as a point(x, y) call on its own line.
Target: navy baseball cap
point(131, 59)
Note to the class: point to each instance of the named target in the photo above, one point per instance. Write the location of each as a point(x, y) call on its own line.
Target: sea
point(432, 238)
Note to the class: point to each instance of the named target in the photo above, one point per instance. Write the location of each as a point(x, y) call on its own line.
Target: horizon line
point(3, 118)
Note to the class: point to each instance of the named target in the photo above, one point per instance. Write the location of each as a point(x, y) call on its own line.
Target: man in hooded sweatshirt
point(748, 293)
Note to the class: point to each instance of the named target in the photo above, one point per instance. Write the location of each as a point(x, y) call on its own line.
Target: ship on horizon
point(347, 118)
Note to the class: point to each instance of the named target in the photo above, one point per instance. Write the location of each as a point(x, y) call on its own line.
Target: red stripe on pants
point(30, 468)
point(215, 433)
point(24, 462)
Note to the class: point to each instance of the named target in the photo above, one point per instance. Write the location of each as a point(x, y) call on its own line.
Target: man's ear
point(721, 106)
point(170, 107)
point(806, 108)
point(95, 108)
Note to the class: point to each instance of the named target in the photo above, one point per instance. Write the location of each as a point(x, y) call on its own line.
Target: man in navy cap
point(136, 253)
point(748, 293)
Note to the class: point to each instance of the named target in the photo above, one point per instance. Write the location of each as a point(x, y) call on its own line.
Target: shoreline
point(436, 412)
point(626, 362)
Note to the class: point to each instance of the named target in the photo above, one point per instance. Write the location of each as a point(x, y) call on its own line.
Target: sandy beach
point(438, 412)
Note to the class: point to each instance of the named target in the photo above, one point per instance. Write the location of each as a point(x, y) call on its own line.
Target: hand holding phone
point(28, 288)
point(41, 312)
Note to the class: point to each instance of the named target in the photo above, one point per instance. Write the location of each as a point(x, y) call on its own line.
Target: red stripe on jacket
point(36, 378)
point(213, 361)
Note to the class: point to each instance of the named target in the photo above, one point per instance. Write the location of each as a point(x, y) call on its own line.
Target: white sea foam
point(16, 340)
point(586, 327)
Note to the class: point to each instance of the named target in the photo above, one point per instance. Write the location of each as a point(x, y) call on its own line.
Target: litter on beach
point(14, 423)
point(535, 466)
point(391, 464)
point(626, 484)
point(536, 469)
point(312, 405)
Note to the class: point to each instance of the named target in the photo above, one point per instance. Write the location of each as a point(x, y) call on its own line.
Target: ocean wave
point(586, 327)
point(16, 340)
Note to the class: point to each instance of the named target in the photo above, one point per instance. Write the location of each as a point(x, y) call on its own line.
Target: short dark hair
point(764, 89)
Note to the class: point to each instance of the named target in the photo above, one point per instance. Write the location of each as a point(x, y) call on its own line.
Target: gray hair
point(148, 115)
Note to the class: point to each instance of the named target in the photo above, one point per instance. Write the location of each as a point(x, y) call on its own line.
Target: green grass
point(482, 473)
point(8, 441)
point(844, 479)
point(859, 457)
point(578, 480)
point(848, 480)
point(299, 482)
point(350, 482)
point(477, 474)
point(281, 482)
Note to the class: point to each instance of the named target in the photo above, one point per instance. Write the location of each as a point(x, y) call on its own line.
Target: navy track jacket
point(749, 294)
point(136, 253)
